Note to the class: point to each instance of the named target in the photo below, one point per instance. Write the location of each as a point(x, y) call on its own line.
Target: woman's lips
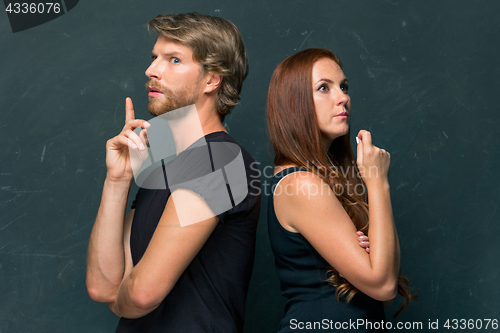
point(342, 115)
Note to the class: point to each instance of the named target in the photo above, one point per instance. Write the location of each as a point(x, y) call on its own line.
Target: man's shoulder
point(227, 147)
point(240, 167)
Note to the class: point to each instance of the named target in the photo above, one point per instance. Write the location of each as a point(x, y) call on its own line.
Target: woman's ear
point(214, 82)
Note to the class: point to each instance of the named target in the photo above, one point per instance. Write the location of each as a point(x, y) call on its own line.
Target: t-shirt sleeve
point(213, 189)
point(215, 171)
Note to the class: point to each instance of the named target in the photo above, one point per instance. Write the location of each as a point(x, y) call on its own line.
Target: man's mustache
point(158, 86)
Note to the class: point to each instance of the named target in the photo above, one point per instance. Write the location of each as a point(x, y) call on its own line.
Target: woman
point(319, 203)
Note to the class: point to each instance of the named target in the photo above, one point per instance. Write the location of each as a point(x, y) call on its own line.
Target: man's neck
point(209, 117)
point(188, 125)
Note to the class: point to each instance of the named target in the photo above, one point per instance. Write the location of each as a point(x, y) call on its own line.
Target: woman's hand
point(373, 162)
point(364, 242)
point(126, 152)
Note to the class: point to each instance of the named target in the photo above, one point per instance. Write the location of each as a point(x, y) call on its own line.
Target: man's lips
point(153, 92)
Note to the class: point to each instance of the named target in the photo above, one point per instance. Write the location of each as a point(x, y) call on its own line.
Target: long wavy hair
point(296, 139)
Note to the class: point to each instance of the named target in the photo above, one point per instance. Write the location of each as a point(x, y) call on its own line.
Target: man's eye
point(175, 60)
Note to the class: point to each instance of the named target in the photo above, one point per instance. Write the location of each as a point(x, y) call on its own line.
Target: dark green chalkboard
point(423, 79)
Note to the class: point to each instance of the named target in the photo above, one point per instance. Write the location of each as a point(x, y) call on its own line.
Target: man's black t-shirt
point(210, 295)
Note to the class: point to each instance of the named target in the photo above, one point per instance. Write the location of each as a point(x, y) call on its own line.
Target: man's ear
point(214, 82)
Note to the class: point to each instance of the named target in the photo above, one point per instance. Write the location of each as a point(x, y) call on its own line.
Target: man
point(181, 259)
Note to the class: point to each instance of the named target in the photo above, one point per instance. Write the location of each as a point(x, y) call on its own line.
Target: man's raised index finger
point(129, 109)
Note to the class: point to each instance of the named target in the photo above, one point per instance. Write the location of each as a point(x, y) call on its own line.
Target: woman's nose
point(342, 99)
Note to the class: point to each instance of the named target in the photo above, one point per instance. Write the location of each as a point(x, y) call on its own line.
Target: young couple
point(181, 259)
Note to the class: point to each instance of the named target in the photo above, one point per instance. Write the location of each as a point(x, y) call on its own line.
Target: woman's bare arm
point(307, 205)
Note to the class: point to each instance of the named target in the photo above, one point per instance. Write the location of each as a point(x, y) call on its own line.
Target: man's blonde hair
point(216, 44)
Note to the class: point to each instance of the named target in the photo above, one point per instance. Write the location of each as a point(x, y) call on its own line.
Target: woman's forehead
point(327, 68)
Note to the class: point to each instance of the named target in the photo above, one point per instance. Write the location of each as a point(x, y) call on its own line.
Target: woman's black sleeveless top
point(311, 303)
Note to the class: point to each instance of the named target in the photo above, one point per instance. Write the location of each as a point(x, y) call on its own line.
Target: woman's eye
point(175, 60)
point(323, 87)
point(345, 88)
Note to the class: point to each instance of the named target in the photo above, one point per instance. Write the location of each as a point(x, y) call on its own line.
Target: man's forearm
point(128, 305)
point(106, 256)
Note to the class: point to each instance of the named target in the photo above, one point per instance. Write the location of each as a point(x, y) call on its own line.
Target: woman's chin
point(340, 133)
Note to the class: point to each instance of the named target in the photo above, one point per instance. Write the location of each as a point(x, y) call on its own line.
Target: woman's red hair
point(296, 139)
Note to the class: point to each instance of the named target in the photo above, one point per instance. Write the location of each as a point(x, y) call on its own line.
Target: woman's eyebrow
point(325, 80)
point(344, 80)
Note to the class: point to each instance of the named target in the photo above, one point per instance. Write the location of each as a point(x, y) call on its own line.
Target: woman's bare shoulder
point(301, 182)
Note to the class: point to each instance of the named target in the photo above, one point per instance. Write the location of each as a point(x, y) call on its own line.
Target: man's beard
point(171, 100)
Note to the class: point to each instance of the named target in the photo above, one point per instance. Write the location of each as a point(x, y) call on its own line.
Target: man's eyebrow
point(169, 54)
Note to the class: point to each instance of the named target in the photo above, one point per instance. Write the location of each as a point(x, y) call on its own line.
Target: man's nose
point(151, 72)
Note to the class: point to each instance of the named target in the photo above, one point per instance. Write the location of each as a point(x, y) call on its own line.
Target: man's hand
point(126, 152)
point(108, 257)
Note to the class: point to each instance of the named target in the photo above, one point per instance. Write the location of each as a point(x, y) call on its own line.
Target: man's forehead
point(170, 46)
